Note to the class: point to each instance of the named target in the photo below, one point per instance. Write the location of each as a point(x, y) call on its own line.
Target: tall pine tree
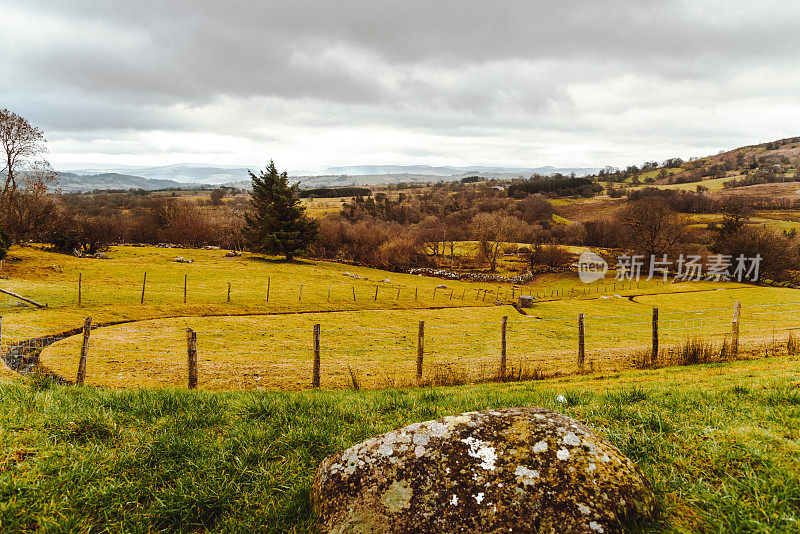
point(277, 222)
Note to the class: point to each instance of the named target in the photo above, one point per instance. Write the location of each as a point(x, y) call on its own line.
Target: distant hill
point(69, 182)
point(427, 170)
point(328, 176)
point(781, 159)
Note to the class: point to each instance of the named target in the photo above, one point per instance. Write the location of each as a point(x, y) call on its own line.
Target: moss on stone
point(523, 469)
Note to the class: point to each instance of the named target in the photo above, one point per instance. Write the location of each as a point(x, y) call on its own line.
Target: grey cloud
point(531, 70)
point(197, 49)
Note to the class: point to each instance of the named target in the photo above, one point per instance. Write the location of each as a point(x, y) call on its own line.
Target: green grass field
point(369, 342)
point(719, 442)
point(713, 184)
point(112, 288)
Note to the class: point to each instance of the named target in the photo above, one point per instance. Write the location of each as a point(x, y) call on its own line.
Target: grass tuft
point(627, 396)
point(740, 390)
point(696, 350)
point(40, 381)
point(792, 344)
point(355, 380)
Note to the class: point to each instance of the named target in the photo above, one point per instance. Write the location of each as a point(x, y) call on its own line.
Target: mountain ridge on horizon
point(209, 173)
point(196, 176)
point(103, 176)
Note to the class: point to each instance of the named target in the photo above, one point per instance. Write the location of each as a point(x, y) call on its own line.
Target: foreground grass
point(719, 442)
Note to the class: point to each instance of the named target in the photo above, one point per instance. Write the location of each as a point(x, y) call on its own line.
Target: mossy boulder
point(511, 470)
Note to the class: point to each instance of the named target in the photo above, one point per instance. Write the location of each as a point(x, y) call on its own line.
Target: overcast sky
point(440, 82)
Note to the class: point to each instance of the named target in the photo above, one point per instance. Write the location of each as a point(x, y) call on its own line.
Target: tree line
point(461, 225)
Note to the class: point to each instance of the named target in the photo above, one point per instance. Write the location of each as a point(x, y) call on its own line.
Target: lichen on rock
point(512, 470)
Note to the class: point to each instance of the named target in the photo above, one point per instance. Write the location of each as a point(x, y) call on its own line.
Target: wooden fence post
point(191, 350)
point(654, 350)
point(316, 356)
point(329, 292)
point(269, 279)
point(80, 287)
point(144, 284)
point(735, 329)
point(376, 293)
point(354, 293)
point(87, 328)
point(434, 293)
point(451, 294)
point(229, 292)
point(581, 341)
point(398, 293)
point(300, 297)
point(185, 283)
point(503, 348)
point(416, 293)
point(420, 349)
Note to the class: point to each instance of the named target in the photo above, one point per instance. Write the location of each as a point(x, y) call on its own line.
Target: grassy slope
point(777, 224)
point(377, 338)
point(719, 442)
point(380, 345)
point(713, 184)
point(112, 288)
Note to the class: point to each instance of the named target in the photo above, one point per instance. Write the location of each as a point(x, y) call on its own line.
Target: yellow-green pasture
point(378, 348)
point(263, 336)
point(319, 207)
point(111, 290)
point(768, 219)
point(713, 184)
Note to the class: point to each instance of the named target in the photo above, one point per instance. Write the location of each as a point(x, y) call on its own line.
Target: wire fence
point(278, 352)
point(349, 290)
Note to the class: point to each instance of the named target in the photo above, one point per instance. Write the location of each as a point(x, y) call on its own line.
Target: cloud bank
point(517, 83)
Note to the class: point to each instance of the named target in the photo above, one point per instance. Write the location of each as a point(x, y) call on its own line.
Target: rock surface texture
point(510, 470)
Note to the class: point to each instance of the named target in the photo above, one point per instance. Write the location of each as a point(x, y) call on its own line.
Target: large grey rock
point(511, 470)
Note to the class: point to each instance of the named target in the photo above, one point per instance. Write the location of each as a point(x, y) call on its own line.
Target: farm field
point(369, 342)
point(319, 207)
point(713, 184)
point(112, 288)
point(774, 222)
point(719, 442)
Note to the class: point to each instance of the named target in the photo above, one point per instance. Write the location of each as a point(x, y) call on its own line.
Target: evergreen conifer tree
point(277, 222)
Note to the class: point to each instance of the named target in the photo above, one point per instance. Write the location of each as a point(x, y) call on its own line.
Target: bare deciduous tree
point(21, 143)
point(493, 230)
point(27, 210)
point(653, 228)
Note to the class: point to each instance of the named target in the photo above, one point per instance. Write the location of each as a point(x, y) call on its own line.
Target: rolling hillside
point(781, 157)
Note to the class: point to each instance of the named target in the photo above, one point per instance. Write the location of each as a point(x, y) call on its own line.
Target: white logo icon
point(591, 267)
